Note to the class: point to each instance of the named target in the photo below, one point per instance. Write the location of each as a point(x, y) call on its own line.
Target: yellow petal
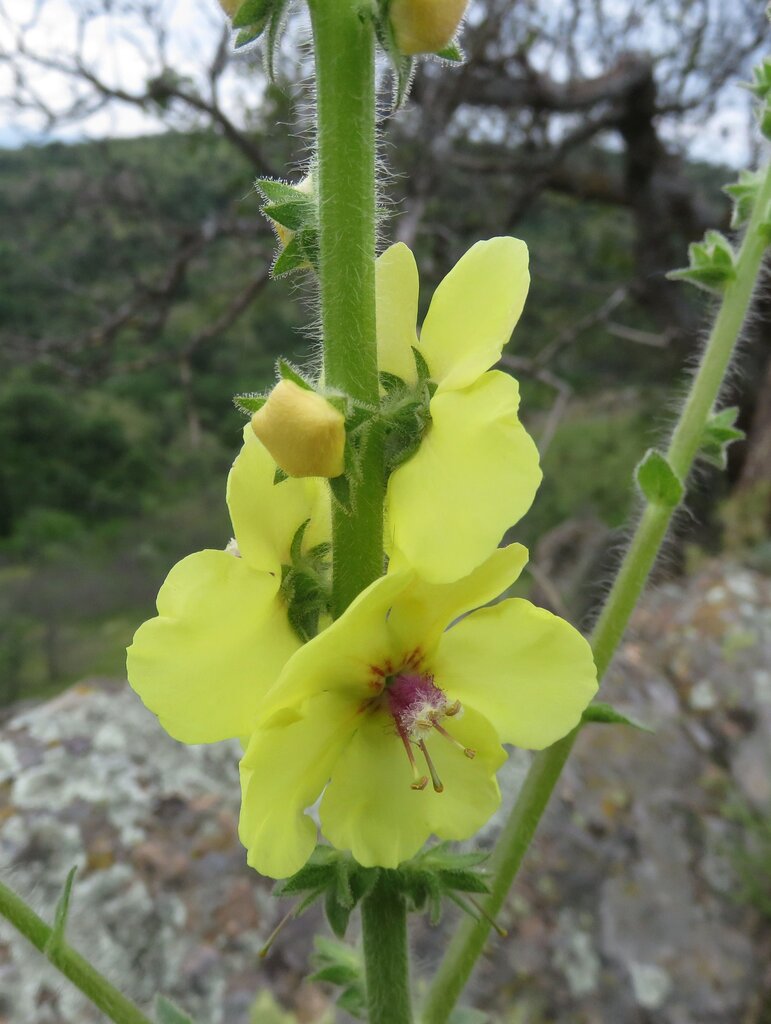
point(396, 279)
point(283, 771)
point(528, 671)
point(474, 475)
point(342, 658)
point(265, 515)
point(370, 809)
point(474, 310)
point(219, 642)
point(423, 611)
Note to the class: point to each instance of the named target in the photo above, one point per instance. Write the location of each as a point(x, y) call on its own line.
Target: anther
point(435, 780)
point(453, 709)
point(468, 751)
point(421, 781)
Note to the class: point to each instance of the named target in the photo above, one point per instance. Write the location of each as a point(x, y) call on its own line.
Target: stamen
point(435, 780)
point(468, 751)
point(421, 781)
point(453, 709)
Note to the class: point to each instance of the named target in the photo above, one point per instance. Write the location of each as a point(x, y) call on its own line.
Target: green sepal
point(436, 874)
point(248, 35)
point(295, 548)
point(308, 241)
point(712, 263)
point(292, 214)
point(285, 371)
point(276, 191)
point(658, 481)
point(760, 85)
point(56, 938)
point(421, 366)
point(167, 1013)
point(744, 193)
point(392, 385)
point(249, 403)
point(720, 431)
point(338, 878)
point(279, 476)
point(452, 53)
point(252, 12)
point(290, 259)
point(340, 964)
point(275, 24)
point(342, 494)
point(305, 585)
point(604, 714)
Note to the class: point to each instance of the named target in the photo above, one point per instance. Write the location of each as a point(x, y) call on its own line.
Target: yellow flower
point(425, 26)
point(302, 431)
point(399, 720)
point(476, 471)
point(221, 636)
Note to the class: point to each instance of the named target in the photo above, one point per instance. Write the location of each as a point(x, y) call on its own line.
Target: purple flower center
point(418, 707)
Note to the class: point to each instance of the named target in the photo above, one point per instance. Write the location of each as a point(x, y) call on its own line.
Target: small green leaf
point(292, 215)
point(712, 263)
point(719, 433)
point(744, 192)
point(249, 403)
point(295, 549)
point(605, 714)
point(278, 191)
point(248, 35)
point(658, 481)
point(279, 476)
point(452, 53)
point(424, 374)
point(342, 494)
point(252, 11)
point(167, 1013)
point(391, 384)
point(338, 916)
point(291, 258)
point(275, 25)
point(56, 938)
point(286, 371)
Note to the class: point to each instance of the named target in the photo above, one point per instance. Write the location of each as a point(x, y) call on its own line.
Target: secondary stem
point(384, 927)
point(470, 937)
point(71, 964)
point(345, 87)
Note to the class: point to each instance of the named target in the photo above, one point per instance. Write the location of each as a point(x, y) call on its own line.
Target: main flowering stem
point(384, 926)
point(468, 942)
point(345, 88)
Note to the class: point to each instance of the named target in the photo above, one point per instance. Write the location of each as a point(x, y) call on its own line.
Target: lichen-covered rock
point(163, 900)
point(627, 910)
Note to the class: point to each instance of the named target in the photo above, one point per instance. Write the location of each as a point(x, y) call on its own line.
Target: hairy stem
point(470, 937)
point(345, 86)
point(72, 965)
point(384, 926)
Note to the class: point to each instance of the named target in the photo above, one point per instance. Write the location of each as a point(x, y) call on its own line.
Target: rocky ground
point(646, 899)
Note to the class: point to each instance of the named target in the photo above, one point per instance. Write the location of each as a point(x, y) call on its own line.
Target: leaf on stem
point(167, 1013)
point(712, 264)
point(604, 714)
point(658, 481)
point(719, 432)
point(56, 938)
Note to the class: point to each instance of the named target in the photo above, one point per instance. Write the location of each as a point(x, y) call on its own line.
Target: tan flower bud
point(302, 431)
point(230, 6)
point(425, 26)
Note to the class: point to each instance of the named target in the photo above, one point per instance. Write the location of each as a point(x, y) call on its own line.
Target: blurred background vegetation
point(135, 297)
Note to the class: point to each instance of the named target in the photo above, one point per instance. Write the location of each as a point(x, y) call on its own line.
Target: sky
point(125, 54)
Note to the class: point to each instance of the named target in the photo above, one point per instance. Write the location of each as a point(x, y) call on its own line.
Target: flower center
point(418, 708)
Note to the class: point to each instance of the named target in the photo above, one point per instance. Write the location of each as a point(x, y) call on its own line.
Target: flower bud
point(302, 431)
point(425, 26)
point(230, 6)
point(284, 234)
